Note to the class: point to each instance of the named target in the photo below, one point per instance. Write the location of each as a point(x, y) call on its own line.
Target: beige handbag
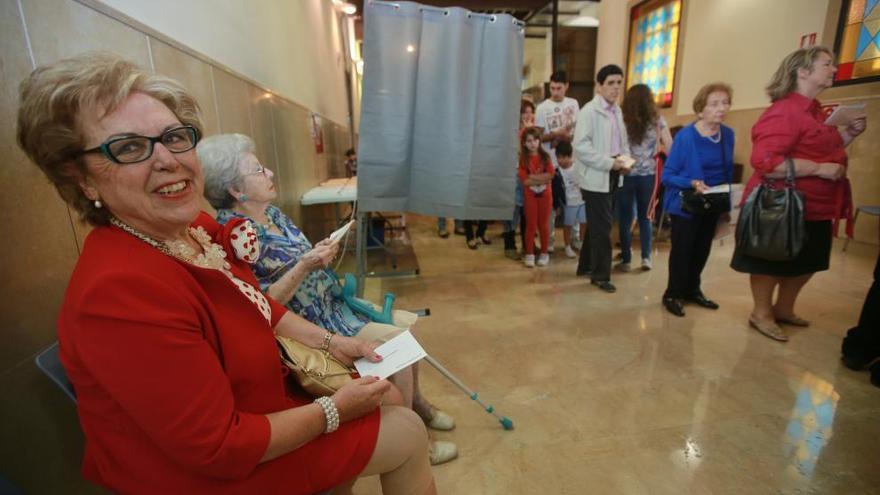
point(316, 371)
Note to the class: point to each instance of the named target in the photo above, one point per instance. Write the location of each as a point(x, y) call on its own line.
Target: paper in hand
point(341, 231)
point(398, 353)
point(844, 114)
point(627, 160)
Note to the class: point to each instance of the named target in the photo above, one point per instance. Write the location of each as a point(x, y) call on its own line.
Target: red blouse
point(793, 126)
point(534, 165)
point(175, 370)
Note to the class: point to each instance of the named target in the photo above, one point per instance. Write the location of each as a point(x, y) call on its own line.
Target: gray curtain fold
point(440, 111)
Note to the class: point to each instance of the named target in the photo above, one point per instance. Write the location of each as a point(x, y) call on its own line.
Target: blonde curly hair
point(54, 97)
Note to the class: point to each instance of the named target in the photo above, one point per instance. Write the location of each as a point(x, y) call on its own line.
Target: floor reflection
point(810, 426)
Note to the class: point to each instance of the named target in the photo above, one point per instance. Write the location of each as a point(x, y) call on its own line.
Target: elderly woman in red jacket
point(793, 127)
point(164, 331)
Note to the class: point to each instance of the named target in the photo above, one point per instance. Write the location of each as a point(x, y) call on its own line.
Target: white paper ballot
point(627, 160)
point(398, 353)
point(721, 188)
point(844, 114)
point(341, 231)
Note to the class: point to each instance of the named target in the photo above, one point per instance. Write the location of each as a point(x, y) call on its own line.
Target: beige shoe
point(440, 421)
point(442, 452)
point(771, 330)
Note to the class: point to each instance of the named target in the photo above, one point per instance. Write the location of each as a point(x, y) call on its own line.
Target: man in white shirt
point(599, 142)
point(556, 116)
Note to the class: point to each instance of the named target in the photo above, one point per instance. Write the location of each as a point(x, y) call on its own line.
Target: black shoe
point(673, 305)
point(584, 273)
point(605, 285)
point(443, 234)
point(700, 300)
point(485, 240)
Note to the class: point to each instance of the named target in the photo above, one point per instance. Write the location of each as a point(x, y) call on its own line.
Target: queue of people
point(615, 155)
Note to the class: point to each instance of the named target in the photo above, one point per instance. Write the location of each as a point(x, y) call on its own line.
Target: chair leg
point(855, 218)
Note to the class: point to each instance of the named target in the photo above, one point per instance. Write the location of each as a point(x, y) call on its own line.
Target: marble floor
point(610, 394)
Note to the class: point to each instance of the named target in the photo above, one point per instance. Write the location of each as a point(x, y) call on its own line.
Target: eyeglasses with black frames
point(134, 149)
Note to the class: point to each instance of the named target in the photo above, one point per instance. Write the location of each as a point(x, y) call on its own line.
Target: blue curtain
point(440, 111)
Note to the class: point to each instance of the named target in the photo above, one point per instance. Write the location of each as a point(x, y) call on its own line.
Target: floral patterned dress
point(314, 299)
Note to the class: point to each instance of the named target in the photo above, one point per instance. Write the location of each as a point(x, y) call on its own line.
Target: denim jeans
point(636, 189)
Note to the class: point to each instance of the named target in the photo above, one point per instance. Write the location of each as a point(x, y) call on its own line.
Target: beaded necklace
point(213, 257)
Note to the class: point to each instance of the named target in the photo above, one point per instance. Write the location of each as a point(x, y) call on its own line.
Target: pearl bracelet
point(331, 414)
point(325, 345)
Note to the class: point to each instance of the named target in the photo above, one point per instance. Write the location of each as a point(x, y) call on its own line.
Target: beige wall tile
point(63, 28)
point(261, 117)
point(232, 97)
point(194, 74)
point(39, 261)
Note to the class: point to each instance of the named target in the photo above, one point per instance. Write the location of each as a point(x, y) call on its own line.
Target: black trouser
point(469, 228)
point(596, 250)
point(862, 343)
point(691, 243)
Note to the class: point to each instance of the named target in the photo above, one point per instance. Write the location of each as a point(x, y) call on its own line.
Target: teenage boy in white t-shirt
point(575, 211)
point(556, 116)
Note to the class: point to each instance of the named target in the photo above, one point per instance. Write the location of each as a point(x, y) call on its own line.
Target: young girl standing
point(535, 174)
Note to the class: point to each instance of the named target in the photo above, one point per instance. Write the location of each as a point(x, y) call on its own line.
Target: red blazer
point(793, 126)
point(175, 370)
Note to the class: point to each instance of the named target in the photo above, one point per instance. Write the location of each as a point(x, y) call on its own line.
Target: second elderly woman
point(701, 157)
point(293, 271)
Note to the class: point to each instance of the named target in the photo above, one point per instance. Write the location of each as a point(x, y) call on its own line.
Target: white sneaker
point(529, 260)
point(646, 264)
point(544, 259)
point(569, 252)
point(551, 246)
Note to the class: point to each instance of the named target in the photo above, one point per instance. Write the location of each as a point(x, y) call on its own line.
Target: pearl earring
point(98, 204)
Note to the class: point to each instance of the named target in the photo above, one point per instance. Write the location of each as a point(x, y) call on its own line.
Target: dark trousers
point(862, 343)
point(596, 251)
point(469, 228)
point(691, 243)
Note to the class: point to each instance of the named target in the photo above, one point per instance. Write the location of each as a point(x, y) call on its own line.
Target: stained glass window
point(653, 45)
point(858, 42)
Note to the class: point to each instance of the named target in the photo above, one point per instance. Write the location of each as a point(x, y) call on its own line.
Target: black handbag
point(704, 204)
point(771, 223)
point(707, 204)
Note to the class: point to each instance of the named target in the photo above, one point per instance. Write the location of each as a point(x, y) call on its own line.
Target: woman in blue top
point(293, 271)
point(701, 157)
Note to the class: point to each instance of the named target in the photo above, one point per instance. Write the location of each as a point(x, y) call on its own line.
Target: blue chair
point(49, 363)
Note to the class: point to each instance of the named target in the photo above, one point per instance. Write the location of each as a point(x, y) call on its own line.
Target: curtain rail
point(490, 17)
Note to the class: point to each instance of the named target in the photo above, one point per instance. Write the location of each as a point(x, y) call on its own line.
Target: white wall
point(740, 42)
point(292, 47)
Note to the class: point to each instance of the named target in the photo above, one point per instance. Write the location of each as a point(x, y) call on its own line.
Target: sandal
point(792, 320)
point(771, 330)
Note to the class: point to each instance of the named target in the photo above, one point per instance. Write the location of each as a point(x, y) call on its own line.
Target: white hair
point(220, 156)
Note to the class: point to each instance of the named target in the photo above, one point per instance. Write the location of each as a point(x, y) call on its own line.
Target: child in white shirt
point(575, 210)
